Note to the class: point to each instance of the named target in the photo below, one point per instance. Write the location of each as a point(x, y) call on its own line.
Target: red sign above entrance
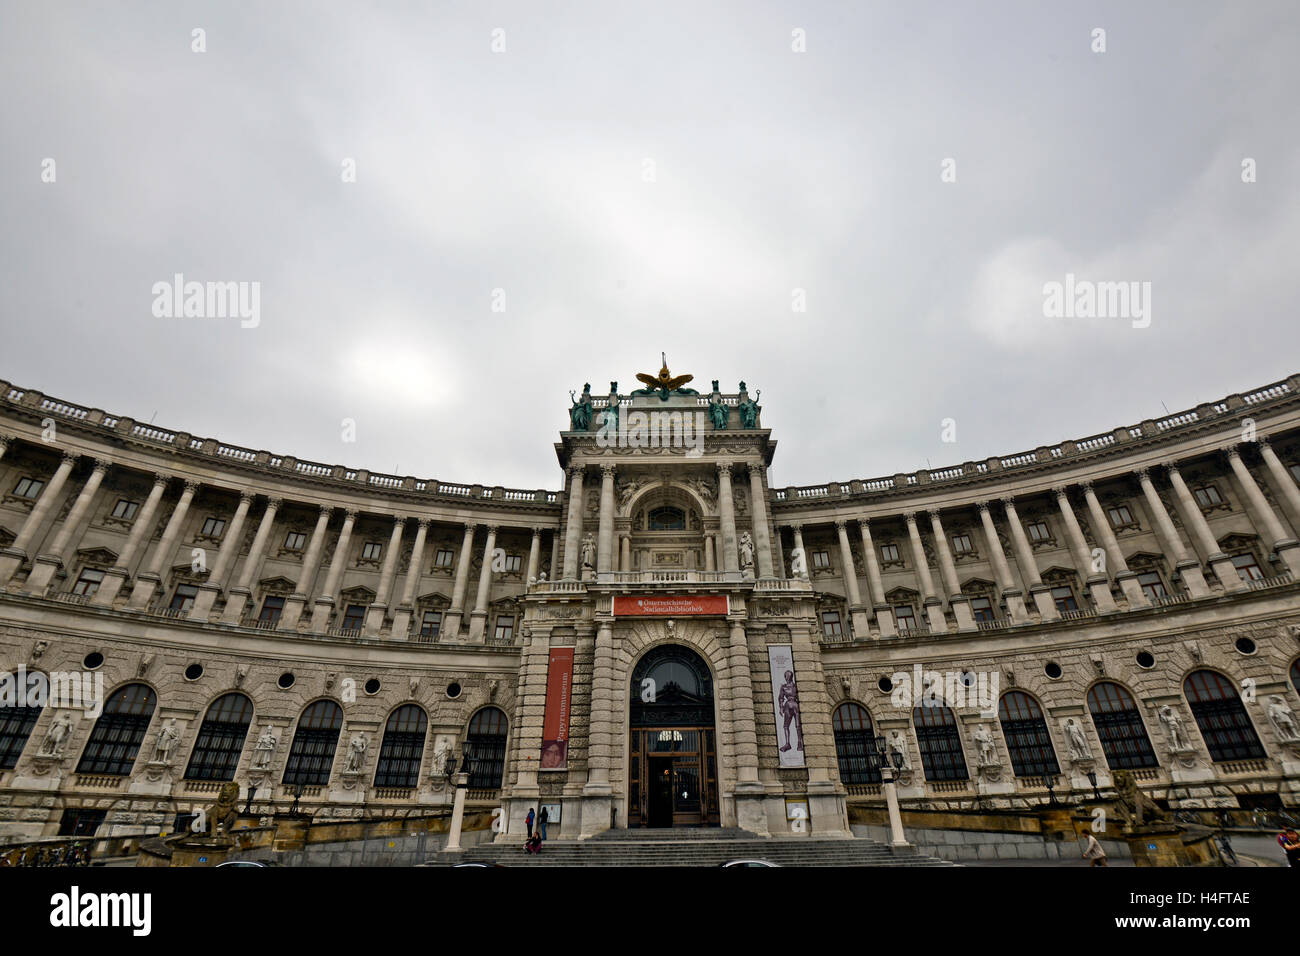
point(676, 606)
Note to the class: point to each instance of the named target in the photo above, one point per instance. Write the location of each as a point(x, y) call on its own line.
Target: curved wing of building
point(665, 641)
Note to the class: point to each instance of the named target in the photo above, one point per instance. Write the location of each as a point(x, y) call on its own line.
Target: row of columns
point(1096, 571)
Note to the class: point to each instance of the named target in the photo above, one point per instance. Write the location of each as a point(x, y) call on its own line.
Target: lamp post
point(458, 808)
point(1049, 780)
point(881, 759)
point(1092, 779)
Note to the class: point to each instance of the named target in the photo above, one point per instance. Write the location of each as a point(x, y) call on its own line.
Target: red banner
point(555, 723)
point(674, 606)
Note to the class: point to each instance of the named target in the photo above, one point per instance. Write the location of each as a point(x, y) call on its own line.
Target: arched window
point(486, 741)
point(855, 743)
point(667, 519)
point(221, 739)
point(1026, 734)
point(403, 746)
point(1222, 717)
point(16, 722)
point(312, 755)
point(117, 735)
point(1119, 725)
point(936, 735)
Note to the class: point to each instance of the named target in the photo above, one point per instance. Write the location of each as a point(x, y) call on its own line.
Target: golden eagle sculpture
point(665, 382)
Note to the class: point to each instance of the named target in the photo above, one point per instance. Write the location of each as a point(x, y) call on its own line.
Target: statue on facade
point(1283, 719)
point(1174, 728)
point(748, 408)
point(746, 552)
point(223, 814)
point(580, 413)
point(718, 411)
point(265, 749)
point(898, 745)
point(167, 737)
point(1134, 805)
point(588, 551)
point(988, 755)
point(56, 736)
point(1079, 749)
point(356, 753)
point(609, 417)
point(665, 383)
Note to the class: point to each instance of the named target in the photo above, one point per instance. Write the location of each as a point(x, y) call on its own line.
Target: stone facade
point(1137, 558)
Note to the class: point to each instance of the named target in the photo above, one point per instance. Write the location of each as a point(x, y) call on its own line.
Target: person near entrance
point(542, 819)
point(529, 820)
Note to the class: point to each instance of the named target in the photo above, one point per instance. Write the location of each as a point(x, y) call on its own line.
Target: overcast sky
point(641, 178)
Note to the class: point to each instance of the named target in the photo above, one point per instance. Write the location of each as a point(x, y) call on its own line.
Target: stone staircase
point(692, 847)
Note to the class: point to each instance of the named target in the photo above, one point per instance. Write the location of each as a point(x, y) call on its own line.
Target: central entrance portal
point(674, 766)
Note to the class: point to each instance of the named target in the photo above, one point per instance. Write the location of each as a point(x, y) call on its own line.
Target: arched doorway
point(673, 771)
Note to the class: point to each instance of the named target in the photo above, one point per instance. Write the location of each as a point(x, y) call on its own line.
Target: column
point(933, 606)
point(597, 793)
point(226, 554)
point(605, 523)
point(1280, 475)
point(1038, 591)
point(456, 612)
point(758, 507)
point(4, 444)
point(1284, 543)
point(778, 552)
point(293, 607)
point(884, 613)
point(1186, 566)
point(116, 576)
point(1127, 579)
point(750, 792)
point(325, 601)
point(1098, 583)
point(534, 555)
point(1220, 563)
point(11, 558)
point(573, 525)
point(147, 581)
point(1014, 596)
point(376, 612)
point(709, 562)
point(959, 603)
point(401, 629)
point(857, 613)
point(478, 618)
point(239, 596)
point(625, 552)
point(44, 565)
point(555, 553)
point(727, 513)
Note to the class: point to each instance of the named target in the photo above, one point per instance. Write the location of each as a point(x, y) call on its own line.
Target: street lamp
point(1092, 779)
point(881, 759)
point(1049, 780)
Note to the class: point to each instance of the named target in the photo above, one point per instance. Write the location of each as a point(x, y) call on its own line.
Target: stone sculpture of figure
point(609, 421)
point(223, 814)
point(718, 412)
point(788, 699)
point(441, 754)
point(167, 737)
point(748, 412)
point(897, 745)
point(56, 736)
point(1174, 728)
point(846, 687)
point(589, 551)
point(1283, 720)
point(984, 739)
point(580, 413)
point(1079, 749)
point(356, 753)
point(265, 748)
point(746, 551)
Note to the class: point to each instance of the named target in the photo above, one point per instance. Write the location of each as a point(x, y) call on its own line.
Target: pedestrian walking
point(529, 820)
point(542, 819)
point(1289, 840)
point(1093, 851)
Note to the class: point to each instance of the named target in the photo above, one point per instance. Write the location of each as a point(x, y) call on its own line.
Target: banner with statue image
point(785, 700)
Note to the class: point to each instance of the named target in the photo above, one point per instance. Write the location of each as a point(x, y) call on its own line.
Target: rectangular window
point(1038, 531)
point(443, 559)
point(1247, 567)
point(1064, 598)
point(125, 509)
point(371, 550)
point(29, 487)
point(821, 559)
point(961, 544)
point(295, 541)
point(905, 617)
point(212, 527)
point(430, 624)
point(184, 597)
point(271, 608)
point(1207, 496)
point(505, 633)
point(982, 608)
point(831, 623)
point(354, 617)
point(89, 582)
point(513, 562)
point(1120, 516)
point(1151, 585)
point(889, 552)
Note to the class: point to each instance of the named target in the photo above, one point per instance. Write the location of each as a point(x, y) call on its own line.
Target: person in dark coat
point(529, 820)
point(542, 819)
